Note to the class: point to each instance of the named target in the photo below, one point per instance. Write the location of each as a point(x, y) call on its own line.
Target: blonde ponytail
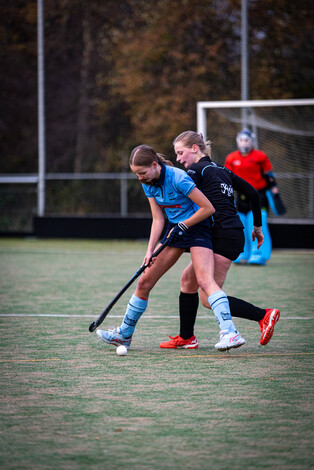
point(190, 138)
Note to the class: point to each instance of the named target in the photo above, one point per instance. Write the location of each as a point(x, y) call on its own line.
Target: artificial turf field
point(69, 402)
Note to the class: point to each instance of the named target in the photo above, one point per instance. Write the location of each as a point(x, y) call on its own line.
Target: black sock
point(188, 305)
point(242, 309)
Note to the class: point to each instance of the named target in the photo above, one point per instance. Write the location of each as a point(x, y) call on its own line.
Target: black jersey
point(218, 184)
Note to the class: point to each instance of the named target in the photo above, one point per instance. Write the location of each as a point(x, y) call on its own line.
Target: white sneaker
point(114, 337)
point(229, 339)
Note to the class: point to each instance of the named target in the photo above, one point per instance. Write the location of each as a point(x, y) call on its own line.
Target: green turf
point(69, 402)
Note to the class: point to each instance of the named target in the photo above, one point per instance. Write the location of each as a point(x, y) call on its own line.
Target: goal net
point(284, 131)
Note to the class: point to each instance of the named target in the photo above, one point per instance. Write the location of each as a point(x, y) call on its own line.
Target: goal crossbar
point(254, 103)
point(203, 105)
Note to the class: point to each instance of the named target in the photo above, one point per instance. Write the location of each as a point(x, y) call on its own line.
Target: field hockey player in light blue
point(172, 191)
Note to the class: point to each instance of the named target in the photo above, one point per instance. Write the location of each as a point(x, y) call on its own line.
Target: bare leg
point(221, 269)
point(203, 264)
point(138, 302)
point(167, 258)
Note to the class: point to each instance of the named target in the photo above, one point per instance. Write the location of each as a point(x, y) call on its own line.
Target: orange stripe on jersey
point(170, 206)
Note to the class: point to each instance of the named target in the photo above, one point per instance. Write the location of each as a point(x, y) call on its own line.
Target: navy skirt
point(197, 235)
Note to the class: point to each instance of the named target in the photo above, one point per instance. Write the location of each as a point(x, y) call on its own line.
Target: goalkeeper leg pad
point(261, 255)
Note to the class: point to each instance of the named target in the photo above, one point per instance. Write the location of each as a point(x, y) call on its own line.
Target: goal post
point(284, 130)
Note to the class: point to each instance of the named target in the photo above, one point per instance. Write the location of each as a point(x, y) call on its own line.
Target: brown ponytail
point(162, 159)
point(143, 155)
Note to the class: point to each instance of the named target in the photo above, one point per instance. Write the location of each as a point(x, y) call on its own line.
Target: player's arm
point(156, 228)
point(239, 184)
point(243, 187)
point(206, 209)
point(272, 190)
point(273, 194)
point(271, 182)
point(268, 174)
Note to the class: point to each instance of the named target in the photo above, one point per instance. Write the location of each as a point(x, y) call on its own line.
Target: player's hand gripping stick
point(102, 316)
point(177, 232)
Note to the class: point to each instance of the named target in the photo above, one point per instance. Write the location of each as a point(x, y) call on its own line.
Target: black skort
point(228, 242)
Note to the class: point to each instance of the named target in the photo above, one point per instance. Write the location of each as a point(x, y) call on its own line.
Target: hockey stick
point(102, 316)
point(275, 202)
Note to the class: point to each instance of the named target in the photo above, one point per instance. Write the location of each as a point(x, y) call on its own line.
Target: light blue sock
point(135, 309)
point(219, 304)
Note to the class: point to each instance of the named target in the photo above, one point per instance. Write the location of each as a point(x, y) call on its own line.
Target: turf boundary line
point(250, 355)
point(148, 317)
point(28, 360)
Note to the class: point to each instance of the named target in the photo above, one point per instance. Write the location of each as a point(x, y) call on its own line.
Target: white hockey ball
point(121, 350)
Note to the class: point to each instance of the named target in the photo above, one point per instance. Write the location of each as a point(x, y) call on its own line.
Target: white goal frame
point(203, 105)
point(246, 120)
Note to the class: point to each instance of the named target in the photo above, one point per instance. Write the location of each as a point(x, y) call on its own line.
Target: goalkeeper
point(254, 166)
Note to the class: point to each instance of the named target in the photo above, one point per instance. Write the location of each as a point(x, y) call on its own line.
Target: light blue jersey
point(171, 193)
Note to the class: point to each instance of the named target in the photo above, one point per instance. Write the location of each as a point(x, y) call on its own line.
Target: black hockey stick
point(102, 316)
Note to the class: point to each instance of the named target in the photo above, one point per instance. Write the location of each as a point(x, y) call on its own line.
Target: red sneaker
point(267, 325)
point(176, 342)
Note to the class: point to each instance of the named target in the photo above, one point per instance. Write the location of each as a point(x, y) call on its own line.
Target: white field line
point(148, 317)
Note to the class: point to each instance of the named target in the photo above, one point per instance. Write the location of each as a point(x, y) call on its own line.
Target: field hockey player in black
point(218, 184)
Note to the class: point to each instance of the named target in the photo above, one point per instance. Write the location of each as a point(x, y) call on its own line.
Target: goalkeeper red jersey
point(251, 167)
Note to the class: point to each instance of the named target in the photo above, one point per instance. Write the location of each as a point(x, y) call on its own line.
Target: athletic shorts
point(197, 235)
point(228, 242)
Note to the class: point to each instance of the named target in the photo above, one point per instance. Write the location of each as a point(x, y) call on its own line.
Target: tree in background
point(18, 110)
point(281, 46)
point(180, 52)
point(122, 73)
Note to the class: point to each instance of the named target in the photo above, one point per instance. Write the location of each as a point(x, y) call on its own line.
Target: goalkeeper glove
point(270, 180)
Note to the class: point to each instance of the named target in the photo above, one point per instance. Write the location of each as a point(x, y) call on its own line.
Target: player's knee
point(208, 286)
point(144, 285)
point(187, 284)
point(205, 284)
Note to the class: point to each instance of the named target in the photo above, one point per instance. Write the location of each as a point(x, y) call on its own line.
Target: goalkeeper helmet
point(245, 140)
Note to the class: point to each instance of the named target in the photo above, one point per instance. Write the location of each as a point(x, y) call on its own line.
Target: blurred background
point(122, 73)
